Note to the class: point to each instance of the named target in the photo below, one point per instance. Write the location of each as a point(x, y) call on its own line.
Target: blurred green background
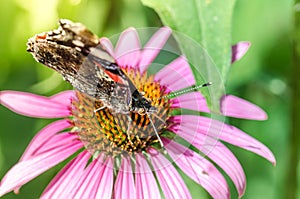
point(262, 77)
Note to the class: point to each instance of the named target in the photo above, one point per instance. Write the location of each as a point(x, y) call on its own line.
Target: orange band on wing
point(114, 77)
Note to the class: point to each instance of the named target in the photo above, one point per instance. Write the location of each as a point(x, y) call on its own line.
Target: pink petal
point(55, 141)
point(192, 101)
point(128, 49)
point(63, 182)
point(65, 98)
point(33, 105)
point(105, 187)
point(223, 157)
point(169, 179)
point(153, 47)
point(93, 183)
point(176, 75)
point(58, 140)
point(146, 186)
point(218, 153)
point(26, 170)
point(240, 108)
point(199, 169)
point(218, 130)
point(239, 50)
point(231, 106)
point(43, 136)
point(108, 46)
point(87, 184)
point(124, 185)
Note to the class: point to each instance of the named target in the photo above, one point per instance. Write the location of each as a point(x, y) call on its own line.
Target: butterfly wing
point(76, 53)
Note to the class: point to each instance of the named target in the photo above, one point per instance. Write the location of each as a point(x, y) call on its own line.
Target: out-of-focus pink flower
point(129, 171)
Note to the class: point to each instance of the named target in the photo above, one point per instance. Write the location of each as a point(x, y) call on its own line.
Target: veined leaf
point(208, 24)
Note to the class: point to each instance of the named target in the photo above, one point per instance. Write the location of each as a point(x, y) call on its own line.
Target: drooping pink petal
point(239, 50)
point(62, 184)
point(176, 75)
point(216, 151)
point(124, 185)
point(57, 140)
point(108, 46)
point(65, 98)
point(44, 135)
point(87, 184)
point(105, 186)
point(169, 179)
point(153, 47)
point(146, 186)
point(219, 130)
point(128, 49)
point(240, 108)
point(92, 185)
point(223, 157)
point(26, 170)
point(199, 169)
point(33, 105)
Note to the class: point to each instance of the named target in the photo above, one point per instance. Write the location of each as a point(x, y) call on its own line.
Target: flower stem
point(291, 183)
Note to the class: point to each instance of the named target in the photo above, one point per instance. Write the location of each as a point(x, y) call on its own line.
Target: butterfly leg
point(157, 135)
point(128, 128)
point(98, 109)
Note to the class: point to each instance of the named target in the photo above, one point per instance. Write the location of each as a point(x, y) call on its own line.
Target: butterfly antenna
point(187, 90)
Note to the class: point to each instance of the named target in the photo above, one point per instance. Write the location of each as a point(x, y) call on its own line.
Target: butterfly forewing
point(76, 53)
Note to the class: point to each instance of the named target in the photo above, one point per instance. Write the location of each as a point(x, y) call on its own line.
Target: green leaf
point(208, 24)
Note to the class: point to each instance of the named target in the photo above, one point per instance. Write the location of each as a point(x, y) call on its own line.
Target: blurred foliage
point(262, 77)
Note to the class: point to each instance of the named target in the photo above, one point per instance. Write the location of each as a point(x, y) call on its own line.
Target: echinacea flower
point(109, 164)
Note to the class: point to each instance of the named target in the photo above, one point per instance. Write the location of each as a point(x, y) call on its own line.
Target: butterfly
point(77, 54)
